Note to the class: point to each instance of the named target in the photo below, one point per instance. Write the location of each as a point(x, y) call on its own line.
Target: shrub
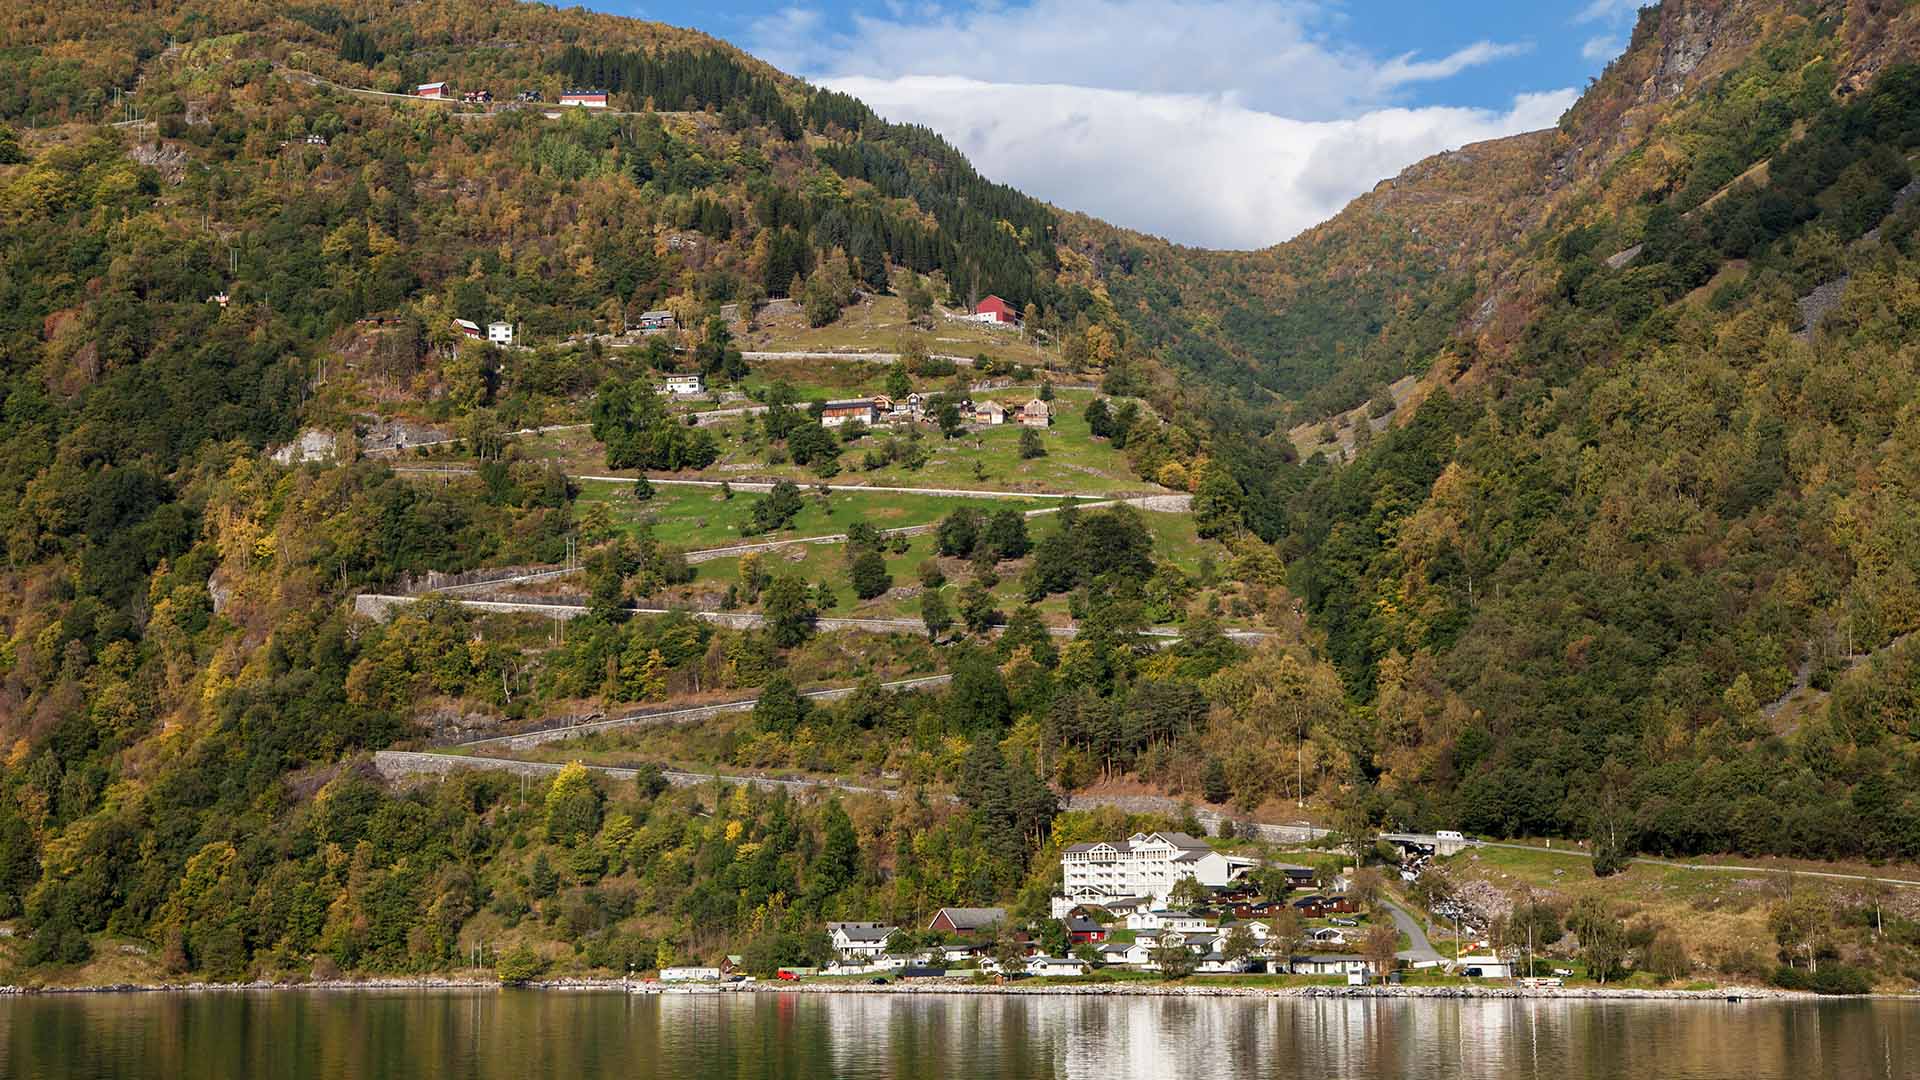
point(1832, 979)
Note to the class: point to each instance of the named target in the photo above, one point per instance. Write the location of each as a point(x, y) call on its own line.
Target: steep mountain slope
point(1646, 498)
point(1437, 259)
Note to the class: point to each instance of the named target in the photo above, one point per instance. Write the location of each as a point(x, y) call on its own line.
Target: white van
point(1448, 834)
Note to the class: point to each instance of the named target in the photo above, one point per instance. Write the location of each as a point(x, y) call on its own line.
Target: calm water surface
point(517, 1035)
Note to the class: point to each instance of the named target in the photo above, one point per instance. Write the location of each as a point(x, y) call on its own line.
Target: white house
point(1214, 963)
point(1055, 965)
point(690, 974)
point(959, 952)
point(1485, 967)
point(859, 942)
point(1329, 964)
point(1185, 922)
point(500, 333)
point(990, 413)
point(1260, 930)
point(1134, 954)
point(685, 386)
point(1144, 864)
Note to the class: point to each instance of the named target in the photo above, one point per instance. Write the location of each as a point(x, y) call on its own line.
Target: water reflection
point(486, 1035)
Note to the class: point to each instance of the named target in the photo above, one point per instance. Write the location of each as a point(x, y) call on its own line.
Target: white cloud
point(1612, 11)
point(1601, 49)
point(1229, 123)
point(1268, 54)
point(1198, 168)
point(1405, 69)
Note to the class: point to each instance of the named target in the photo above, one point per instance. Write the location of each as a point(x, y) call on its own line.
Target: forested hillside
point(1636, 565)
point(225, 224)
point(1578, 586)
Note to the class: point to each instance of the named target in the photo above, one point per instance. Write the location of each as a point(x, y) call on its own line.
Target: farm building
point(839, 412)
point(995, 310)
point(434, 90)
point(585, 99)
point(967, 920)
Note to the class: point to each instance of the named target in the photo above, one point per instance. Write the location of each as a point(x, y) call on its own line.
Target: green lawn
point(877, 325)
point(700, 517)
point(1174, 539)
point(1075, 461)
point(829, 379)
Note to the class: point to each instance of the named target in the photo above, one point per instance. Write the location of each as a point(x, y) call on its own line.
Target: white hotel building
point(1144, 864)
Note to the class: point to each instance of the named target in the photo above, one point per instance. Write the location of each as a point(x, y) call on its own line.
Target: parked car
point(1344, 922)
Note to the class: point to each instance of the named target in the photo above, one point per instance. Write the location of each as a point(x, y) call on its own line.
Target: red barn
point(997, 310)
point(431, 90)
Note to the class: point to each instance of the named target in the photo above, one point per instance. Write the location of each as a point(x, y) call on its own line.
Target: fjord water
point(515, 1035)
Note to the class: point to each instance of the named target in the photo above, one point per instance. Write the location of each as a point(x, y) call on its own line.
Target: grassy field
point(700, 517)
point(1075, 461)
point(1717, 913)
point(814, 378)
point(1174, 539)
point(990, 458)
point(877, 324)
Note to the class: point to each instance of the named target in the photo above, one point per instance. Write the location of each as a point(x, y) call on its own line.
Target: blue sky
point(1222, 123)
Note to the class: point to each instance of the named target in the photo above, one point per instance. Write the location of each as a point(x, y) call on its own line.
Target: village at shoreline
point(958, 986)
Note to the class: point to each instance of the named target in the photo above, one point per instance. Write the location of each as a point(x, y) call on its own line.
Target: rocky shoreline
point(1202, 991)
point(951, 987)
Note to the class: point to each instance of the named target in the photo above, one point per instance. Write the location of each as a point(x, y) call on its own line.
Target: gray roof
point(972, 918)
point(855, 931)
point(1179, 840)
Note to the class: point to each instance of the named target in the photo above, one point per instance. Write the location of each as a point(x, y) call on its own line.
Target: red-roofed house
point(586, 99)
